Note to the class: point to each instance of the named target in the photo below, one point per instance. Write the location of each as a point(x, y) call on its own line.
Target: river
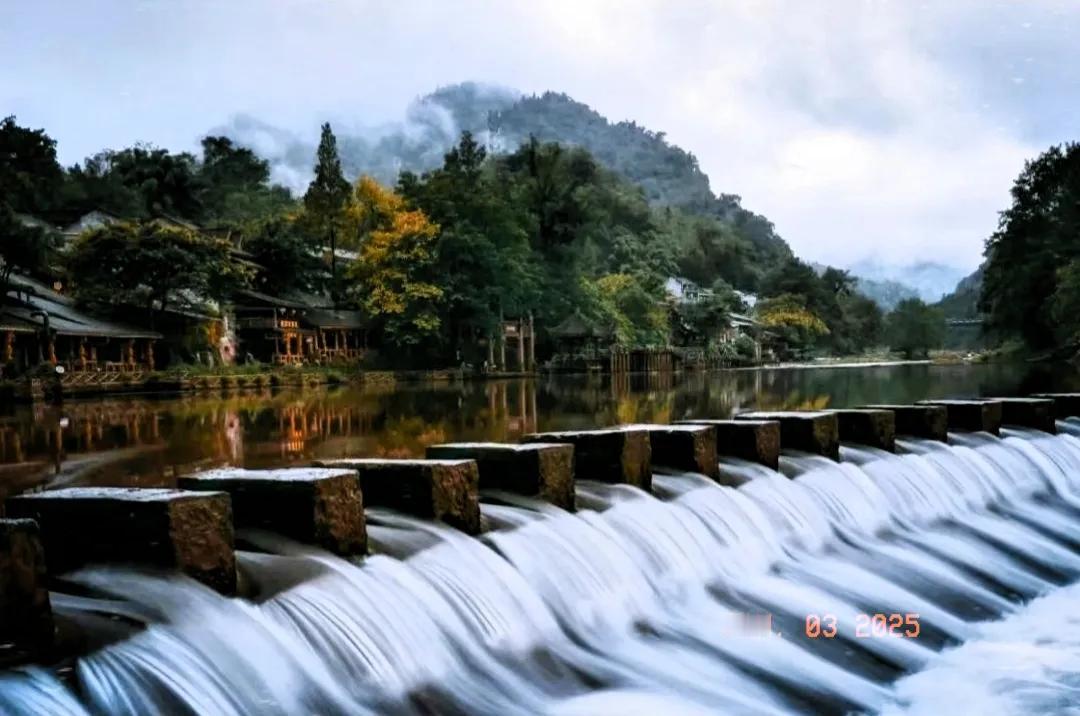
point(148, 440)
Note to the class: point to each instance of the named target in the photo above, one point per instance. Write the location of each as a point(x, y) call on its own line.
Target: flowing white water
point(645, 604)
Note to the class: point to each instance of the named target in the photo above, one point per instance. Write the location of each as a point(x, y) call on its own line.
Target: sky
point(864, 129)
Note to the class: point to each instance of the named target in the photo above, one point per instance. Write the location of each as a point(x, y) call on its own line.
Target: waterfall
point(699, 598)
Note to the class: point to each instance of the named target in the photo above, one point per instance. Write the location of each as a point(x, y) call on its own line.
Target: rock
point(684, 447)
point(754, 440)
point(810, 431)
point(620, 455)
point(25, 614)
point(1066, 405)
point(445, 490)
point(971, 415)
point(544, 470)
point(868, 426)
point(1038, 413)
point(322, 507)
point(176, 529)
point(923, 421)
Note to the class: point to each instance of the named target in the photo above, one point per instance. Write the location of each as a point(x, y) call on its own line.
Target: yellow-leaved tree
point(790, 321)
point(391, 274)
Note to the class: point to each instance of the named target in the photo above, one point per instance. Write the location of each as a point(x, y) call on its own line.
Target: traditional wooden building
point(520, 335)
point(284, 331)
point(41, 326)
point(583, 346)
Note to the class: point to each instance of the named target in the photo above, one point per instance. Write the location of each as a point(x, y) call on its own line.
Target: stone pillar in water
point(971, 415)
point(622, 455)
point(923, 421)
point(444, 490)
point(25, 613)
point(810, 431)
point(543, 470)
point(867, 426)
point(753, 440)
point(683, 447)
point(1065, 404)
point(312, 505)
point(189, 531)
point(1035, 413)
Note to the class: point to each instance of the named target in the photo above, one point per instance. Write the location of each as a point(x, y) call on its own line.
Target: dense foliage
point(915, 328)
point(548, 230)
point(1031, 274)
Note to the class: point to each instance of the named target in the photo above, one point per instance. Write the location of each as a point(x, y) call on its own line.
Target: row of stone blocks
point(191, 528)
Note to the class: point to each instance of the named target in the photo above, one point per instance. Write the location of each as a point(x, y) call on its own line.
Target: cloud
point(862, 128)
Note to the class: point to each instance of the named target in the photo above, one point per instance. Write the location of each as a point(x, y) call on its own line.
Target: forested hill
point(504, 120)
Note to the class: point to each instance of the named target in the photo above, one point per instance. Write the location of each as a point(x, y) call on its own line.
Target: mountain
point(930, 280)
point(885, 294)
point(502, 119)
point(963, 301)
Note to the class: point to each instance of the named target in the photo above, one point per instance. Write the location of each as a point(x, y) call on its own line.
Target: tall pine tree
point(326, 198)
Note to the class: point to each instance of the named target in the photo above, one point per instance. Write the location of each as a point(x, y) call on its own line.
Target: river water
point(148, 440)
point(939, 580)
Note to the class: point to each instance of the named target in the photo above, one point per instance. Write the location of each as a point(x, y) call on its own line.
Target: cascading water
point(760, 599)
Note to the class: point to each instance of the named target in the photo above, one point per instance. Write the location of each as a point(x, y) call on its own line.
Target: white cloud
point(860, 127)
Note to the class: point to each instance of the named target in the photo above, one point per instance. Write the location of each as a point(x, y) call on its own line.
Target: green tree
point(914, 328)
point(30, 176)
point(1037, 235)
point(236, 184)
point(286, 260)
point(24, 246)
point(326, 198)
point(153, 265)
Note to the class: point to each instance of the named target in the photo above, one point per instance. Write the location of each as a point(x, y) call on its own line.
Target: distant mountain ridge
point(930, 280)
point(503, 119)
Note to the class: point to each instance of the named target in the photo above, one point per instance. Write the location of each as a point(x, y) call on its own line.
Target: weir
point(655, 601)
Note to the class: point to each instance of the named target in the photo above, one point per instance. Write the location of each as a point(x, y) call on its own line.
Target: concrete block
point(1066, 405)
point(810, 431)
point(189, 531)
point(622, 455)
point(25, 614)
point(445, 490)
point(923, 421)
point(754, 440)
point(683, 447)
point(971, 415)
point(544, 470)
point(1035, 413)
point(313, 505)
point(867, 426)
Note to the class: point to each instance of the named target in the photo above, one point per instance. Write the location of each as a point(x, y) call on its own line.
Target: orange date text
point(867, 626)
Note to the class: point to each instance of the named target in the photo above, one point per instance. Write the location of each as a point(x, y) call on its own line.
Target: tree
point(326, 198)
point(236, 184)
point(391, 274)
point(153, 265)
point(1037, 235)
point(29, 173)
point(915, 328)
point(797, 327)
point(618, 300)
point(284, 255)
point(24, 246)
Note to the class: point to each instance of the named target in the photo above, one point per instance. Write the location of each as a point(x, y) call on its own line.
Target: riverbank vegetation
point(1031, 277)
point(437, 261)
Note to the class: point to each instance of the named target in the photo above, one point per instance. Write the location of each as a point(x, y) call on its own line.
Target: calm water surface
point(148, 440)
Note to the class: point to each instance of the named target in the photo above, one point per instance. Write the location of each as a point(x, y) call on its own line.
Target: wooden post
point(82, 353)
point(521, 345)
point(129, 353)
point(9, 346)
point(150, 354)
point(532, 343)
point(502, 346)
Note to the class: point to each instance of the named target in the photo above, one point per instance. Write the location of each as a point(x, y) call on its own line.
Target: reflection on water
point(147, 441)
